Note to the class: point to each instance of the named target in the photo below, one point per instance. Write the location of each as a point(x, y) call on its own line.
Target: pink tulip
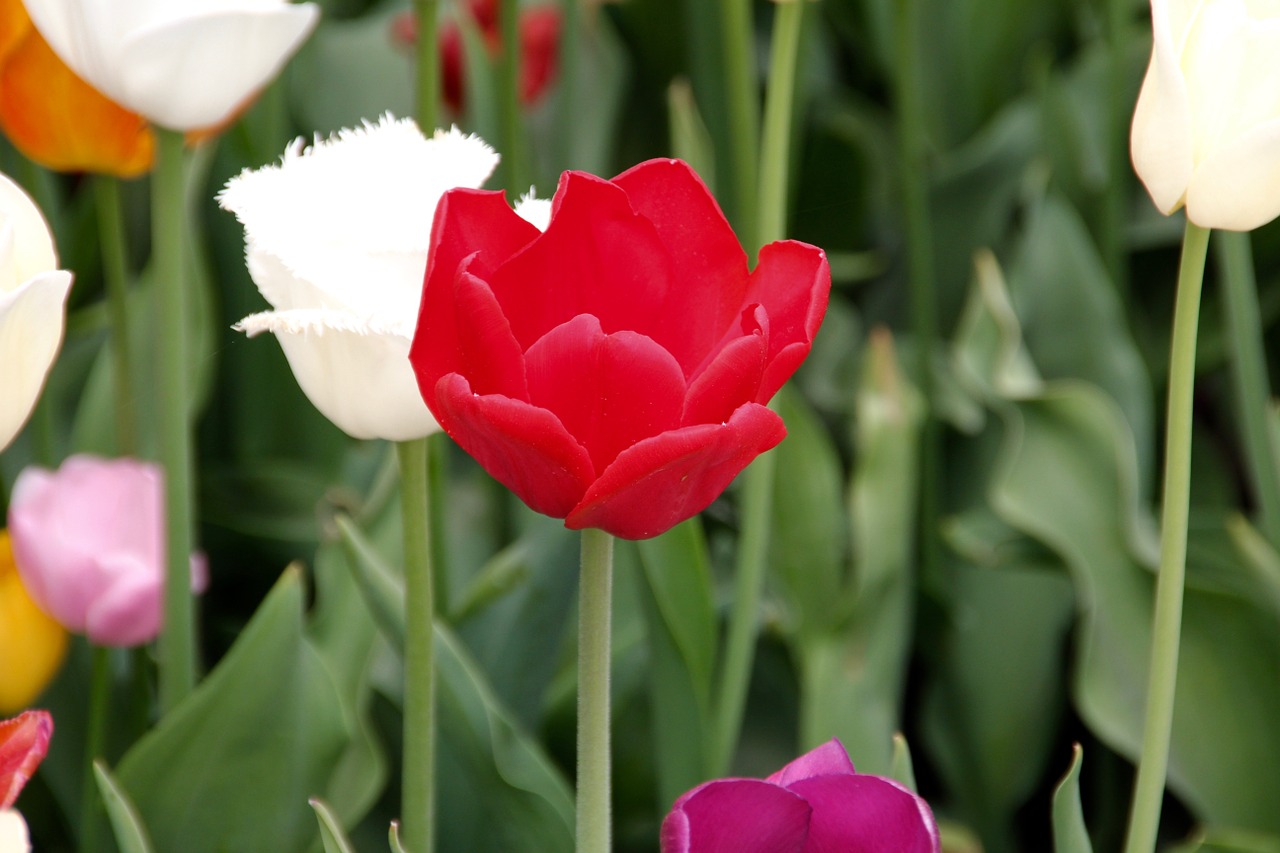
point(89, 543)
point(816, 803)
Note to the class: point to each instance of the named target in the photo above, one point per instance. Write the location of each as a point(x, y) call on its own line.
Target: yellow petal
point(32, 644)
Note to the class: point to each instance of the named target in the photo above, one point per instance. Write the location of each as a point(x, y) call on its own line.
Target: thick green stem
point(115, 273)
point(95, 739)
point(418, 788)
point(1249, 374)
point(595, 600)
point(437, 483)
point(738, 33)
point(775, 153)
point(513, 156)
point(428, 60)
point(1144, 819)
point(913, 156)
point(570, 84)
point(177, 640)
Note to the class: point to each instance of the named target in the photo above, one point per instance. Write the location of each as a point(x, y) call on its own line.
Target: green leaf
point(232, 767)
point(331, 834)
point(900, 766)
point(130, 834)
point(690, 139)
point(380, 587)
point(1069, 832)
point(393, 838)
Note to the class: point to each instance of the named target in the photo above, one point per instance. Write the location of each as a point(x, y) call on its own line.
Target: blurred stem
point(1249, 374)
point(1144, 819)
point(95, 737)
point(595, 596)
point(509, 96)
point(168, 224)
point(428, 75)
point(417, 807)
point(738, 32)
point(775, 154)
point(115, 273)
point(571, 50)
point(1119, 110)
point(912, 144)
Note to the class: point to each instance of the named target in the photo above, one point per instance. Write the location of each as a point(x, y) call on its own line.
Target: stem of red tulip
point(515, 172)
point(417, 805)
point(1249, 374)
point(95, 736)
point(595, 597)
point(744, 115)
point(115, 273)
point(1148, 792)
point(168, 227)
point(428, 61)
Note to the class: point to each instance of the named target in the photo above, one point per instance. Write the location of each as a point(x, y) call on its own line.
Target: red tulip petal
point(482, 229)
point(866, 814)
point(733, 376)
point(609, 391)
point(830, 759)
point(736, 816)
point(704, 252)
point(24, 740)
point(597, 257)
point(495, 364)
point(539, 48)
point(792, 282)
point(523, 447)
point(663, 480)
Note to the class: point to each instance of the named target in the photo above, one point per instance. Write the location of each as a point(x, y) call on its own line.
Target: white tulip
point(1206, 131)
point(183, 64)
point(33, 298)
point(13, 833)
point(336, 238)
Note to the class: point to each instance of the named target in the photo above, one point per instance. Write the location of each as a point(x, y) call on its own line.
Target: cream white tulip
point(183, 64)
point(336, 239)
point(13, 833)
point(33, 298)
point(1206, 131)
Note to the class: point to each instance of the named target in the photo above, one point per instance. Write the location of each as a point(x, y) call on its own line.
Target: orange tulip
point(57, 119)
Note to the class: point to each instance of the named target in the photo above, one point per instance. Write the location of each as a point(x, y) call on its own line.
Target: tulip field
point(652, 426)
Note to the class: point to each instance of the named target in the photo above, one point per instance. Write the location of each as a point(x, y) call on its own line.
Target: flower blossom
point(32, 643)
point(613, 369)
point(24, 741)
point(816, 803)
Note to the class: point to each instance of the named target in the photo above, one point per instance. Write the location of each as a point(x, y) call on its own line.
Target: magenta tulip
point(816, 804)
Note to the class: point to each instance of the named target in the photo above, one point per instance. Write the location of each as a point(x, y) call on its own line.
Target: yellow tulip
point(32, 644)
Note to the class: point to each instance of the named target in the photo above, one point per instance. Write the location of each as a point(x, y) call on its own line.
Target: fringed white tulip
point(183, 64)
point(336, 237)
point(33, 298)
point(1206, 131)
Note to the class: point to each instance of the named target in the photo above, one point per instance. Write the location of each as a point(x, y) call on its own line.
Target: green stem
point(595, 595)
point(168, 211)
point(95, 739)
point(912, 144)
point(437, 481)
point(1144, 819)
point(570, 84)
point(513, 160)
point(418, 789)
point(775, 155)
point(1249, 374)
point(744, 114)
point(428, 72)
point(115, 273)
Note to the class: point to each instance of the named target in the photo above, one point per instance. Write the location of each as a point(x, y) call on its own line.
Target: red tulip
point(613, 370)
point(816, 803)
point(24, 740)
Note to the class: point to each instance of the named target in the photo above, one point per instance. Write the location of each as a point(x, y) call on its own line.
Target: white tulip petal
point(13, 833)
point(1160, 139)
point(536, 211)
point(26, 244)
point(31, 323)
point(1238, 188)
point(355, 371)
point(351, 215)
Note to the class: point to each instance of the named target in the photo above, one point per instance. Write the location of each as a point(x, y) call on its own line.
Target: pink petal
point(609, 391)
point(705, 255)
point(830, 759)
point(525, 448)
point(661, 481)
point(24, 740)
point(736, 816)
point(733, 375)
point(865, 814)
point(127, 611)
point(596, 257)
point(793, 283)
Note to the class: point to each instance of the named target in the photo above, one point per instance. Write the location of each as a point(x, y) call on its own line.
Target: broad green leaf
point(681, 628)
point(232, 767)
point(331, 834)
point(1069, 832)
point(130, 834)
